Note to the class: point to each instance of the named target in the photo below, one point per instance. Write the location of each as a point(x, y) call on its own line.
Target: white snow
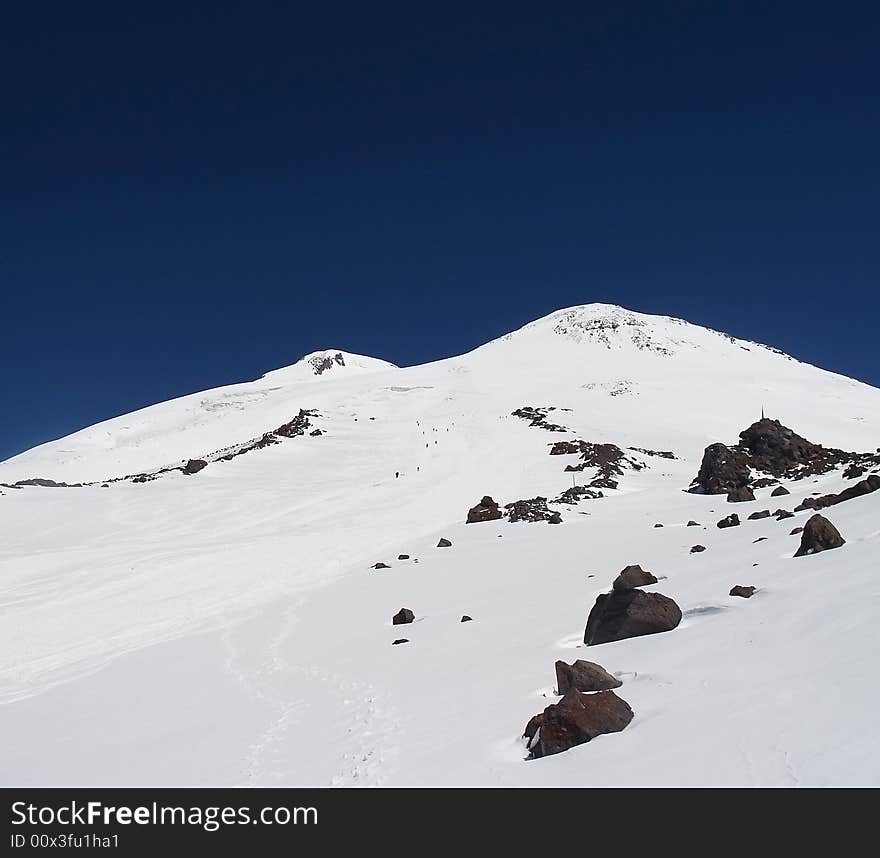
point(225, 628)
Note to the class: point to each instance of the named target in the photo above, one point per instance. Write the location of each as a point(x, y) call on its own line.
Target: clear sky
point(192, 194)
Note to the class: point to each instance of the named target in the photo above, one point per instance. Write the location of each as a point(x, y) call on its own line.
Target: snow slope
point(226, 627)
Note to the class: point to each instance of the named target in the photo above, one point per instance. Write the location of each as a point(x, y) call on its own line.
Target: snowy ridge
point(243, 596)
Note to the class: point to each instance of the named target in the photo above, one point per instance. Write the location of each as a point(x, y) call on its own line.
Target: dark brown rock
point(795, 531)
point(741, 495)
point(630, 578)
point(779, 491)
point(693, 523)
point(402, 617)
point(624, 614)
point(403, 556)
point(745, 592)
point(444, 543)
point(819, 535)
point(764, 513)
point(583, 676)
point(722, 470)
point(783, 513)
point(731, 521)
point(697, 549)
point(399, 641)
point(576, 719)
point(466, 619)
point(381, 565)
point(485, 510)
point(193, 466)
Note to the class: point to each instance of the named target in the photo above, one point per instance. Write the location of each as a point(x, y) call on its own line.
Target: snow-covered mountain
point(203, 608)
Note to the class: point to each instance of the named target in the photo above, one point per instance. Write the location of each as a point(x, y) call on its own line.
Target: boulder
point(696, 549)
point(779, 491)
point(722, 470)
point(624, 614)
point(399, 641)
point(576, 719)
point(819, 535)
point(658, 525)
point(693, 523)
point(764, 513)
point(466, 619)
point(485, 510)
point(630, 578)
point(193, 466)
point(444, 543)
point(381, 565)
point(740, 495)
point(583, 676)
point(745, 592)
point(731, 521)
point(555, 518)
point(402, 617)
point(783, 513)
point(795, 531)
point(403, 556)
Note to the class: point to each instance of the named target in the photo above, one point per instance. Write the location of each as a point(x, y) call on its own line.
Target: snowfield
point(227, 628)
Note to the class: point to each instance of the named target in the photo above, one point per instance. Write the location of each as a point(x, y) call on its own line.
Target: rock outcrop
point(485, 510)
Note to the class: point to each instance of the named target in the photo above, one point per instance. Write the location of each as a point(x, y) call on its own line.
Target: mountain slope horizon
point(209, 597)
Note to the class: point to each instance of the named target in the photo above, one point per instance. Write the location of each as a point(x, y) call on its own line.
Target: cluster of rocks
point(770, 448)
point(538, 417)
point(532, 509)
point(608, 460)
point(322, 364)
point(663, 454)
point(291, 429)
point(864, 487)
point(576, 494)
point(589, 707)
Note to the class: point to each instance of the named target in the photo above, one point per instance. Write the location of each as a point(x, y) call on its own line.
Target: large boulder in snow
point(630, 578)
point(624, 614)
point(722, 470)
point(584, 676)
point(779, 491)
point(402, 617)
point(485, 510)
point(193, 466)
point(731, 521)
point(819, 535)
point(576, 719)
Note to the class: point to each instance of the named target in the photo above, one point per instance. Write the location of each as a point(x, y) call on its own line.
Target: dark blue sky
point(191, 196)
